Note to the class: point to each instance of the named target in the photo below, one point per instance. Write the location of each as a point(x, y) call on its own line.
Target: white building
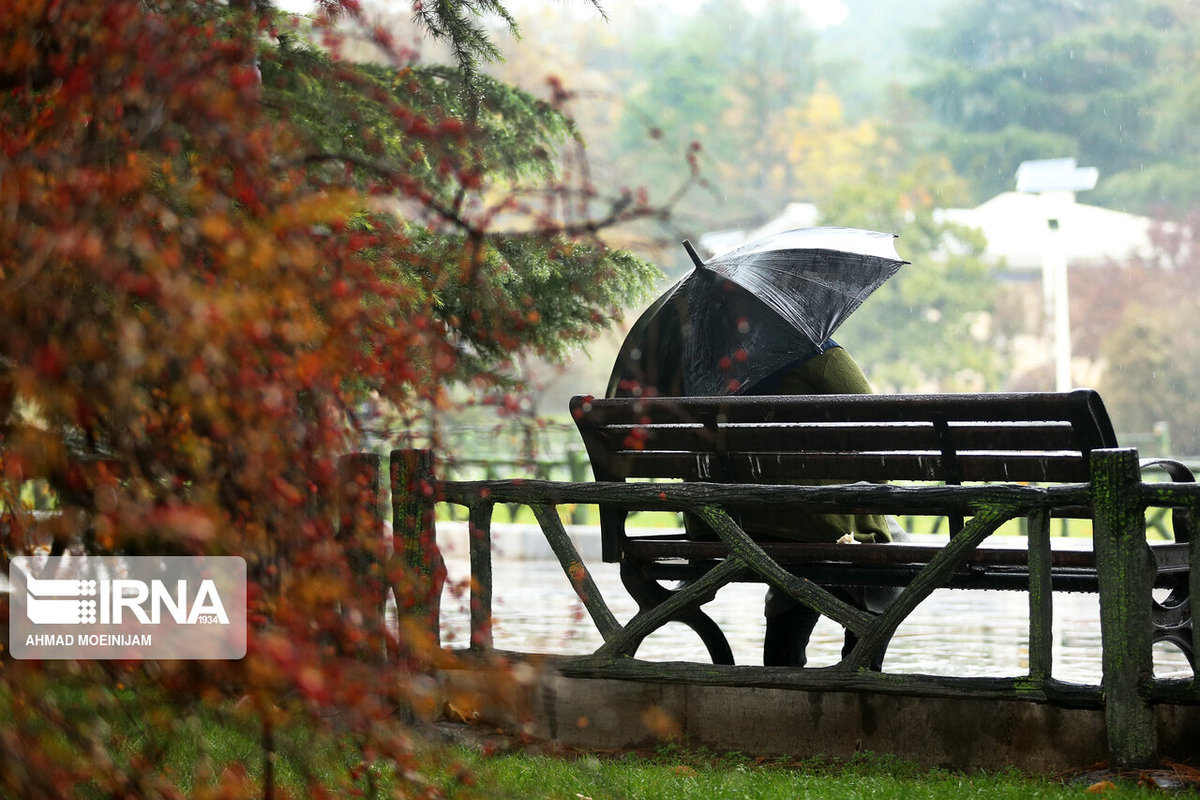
point(1014, 224)
point(1016, 227)
point(1021, 230)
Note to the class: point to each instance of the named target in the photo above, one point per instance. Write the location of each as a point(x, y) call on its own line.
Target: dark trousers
point(788, 633)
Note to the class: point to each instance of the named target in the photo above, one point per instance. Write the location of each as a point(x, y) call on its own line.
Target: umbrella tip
point(691, 251)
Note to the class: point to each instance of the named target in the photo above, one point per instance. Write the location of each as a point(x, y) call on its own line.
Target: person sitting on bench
point(789, 623)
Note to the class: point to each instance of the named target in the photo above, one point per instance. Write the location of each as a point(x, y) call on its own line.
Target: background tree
point(1137, 319)
point(1167, 183)
point(481, 173)
point(725, 79)
point(867, 57)
point(1017, 80)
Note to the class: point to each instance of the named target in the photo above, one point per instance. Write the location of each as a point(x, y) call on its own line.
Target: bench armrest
point(1182, 523)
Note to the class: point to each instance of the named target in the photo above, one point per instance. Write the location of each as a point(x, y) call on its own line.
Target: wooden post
point(1124, 567)
point(360, 533)
point(419, 573)
point(1041, 598)
point(576, 572)
point(480, 546)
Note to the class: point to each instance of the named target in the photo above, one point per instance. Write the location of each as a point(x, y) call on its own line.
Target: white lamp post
point(1056, 180)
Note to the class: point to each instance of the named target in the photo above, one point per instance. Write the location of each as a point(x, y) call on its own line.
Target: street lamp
point(1056, 180)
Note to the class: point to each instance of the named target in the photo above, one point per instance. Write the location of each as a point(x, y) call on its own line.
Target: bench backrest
point(1038, 437)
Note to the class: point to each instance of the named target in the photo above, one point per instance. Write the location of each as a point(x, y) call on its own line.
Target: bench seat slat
point(1170, 557)
point(1064, 579)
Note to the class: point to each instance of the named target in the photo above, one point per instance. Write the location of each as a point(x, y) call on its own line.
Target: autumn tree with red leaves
point(216, 240)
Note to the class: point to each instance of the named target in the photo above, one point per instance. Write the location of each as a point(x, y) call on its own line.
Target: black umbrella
point(733, 321)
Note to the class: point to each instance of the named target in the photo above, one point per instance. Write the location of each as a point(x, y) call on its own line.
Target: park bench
point(990, 453)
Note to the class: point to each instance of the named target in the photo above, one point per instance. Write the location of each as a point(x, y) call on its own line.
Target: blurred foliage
point(726, 79)
point(478, 152)
point(218, 240)
point(1106, 82)
point(988, 85)
point(1138, 320)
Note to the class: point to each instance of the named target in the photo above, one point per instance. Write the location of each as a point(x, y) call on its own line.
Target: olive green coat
point(832, 372)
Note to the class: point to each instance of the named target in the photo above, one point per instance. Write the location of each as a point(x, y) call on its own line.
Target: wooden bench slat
point(1081, 408)
point(824, 573)
point(1071, 570)
point(996, 437)
point(848, 467)
point(1171, 557)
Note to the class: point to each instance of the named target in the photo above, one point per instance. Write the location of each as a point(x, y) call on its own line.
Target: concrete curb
point(962, 734)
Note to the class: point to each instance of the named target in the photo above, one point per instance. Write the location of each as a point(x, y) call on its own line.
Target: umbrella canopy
point(740, 317)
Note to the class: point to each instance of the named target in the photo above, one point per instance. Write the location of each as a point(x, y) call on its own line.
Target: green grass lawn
point(672, 774)
point(196, 746)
